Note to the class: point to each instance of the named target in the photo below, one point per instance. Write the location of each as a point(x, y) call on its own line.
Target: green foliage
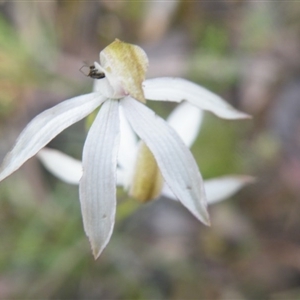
point(216, 148)
point(212, 62)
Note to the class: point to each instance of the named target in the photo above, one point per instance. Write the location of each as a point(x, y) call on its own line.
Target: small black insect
point(93, 72)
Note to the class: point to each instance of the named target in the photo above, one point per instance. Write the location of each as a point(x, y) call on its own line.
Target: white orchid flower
point(120, 84)
point(136, 165)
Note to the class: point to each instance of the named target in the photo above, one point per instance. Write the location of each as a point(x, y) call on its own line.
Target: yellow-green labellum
point(147, 180)
point(125, 66)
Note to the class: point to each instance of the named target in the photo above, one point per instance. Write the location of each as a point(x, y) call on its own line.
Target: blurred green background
point(246, 51)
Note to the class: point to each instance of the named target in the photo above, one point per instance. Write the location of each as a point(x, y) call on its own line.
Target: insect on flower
point(93, 72)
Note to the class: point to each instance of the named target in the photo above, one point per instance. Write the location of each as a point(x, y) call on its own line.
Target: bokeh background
point(246, 51)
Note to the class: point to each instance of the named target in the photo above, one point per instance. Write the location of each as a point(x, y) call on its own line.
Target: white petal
point(186, 119)
point(128, 144)
point(98, 184)
point(121, 177)
point(174, 159)
point(220, 188)
point(64, 167)
point(178, 89)
point(166, 192)
point(127, 151)
point(67, 168)
point(44, 127)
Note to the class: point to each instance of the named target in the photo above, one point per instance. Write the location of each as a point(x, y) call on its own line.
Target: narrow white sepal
point(186, 119)
point(67, 168)
point(122, 179)
point(127, 151)
point(128, 144)
point(219, 188)
point(174, 159)
point(178, 89)
point(64, 167)
point(97, 186)
point(44, 127)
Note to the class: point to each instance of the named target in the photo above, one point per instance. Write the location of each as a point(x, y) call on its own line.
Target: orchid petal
point(98, 184)
point(174, 159)
point(166, 192)
point(128, 144)
point(67, 168)
point(44, 127)
point(64, 167)
point(127, 151)
point(178, 89)
point(122, 178)
point(186, 119)
point(221, 188)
